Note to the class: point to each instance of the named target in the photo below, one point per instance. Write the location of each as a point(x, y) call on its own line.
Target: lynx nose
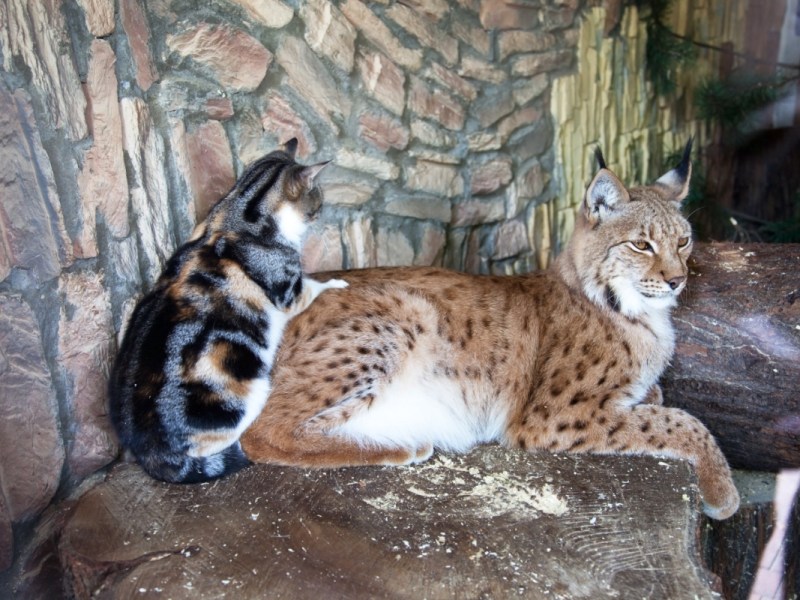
point(676, 281)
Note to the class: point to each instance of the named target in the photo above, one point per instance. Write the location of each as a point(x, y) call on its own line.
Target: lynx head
point(274, 191)
point(630, 246)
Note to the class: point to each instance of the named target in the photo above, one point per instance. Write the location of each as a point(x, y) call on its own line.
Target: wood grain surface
point(491, 524)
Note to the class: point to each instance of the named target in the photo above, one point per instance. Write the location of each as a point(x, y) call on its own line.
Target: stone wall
point(122, 122)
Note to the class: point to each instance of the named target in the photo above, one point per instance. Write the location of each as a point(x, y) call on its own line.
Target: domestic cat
point(193, 369)
point(406, 360)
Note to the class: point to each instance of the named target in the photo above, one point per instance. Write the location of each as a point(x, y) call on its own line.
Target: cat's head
point(274, 191)
point(631, 245)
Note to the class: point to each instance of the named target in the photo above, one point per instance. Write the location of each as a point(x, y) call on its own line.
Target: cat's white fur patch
point(291, 224)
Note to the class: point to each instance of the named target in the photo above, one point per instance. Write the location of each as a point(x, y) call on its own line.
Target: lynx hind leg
point(336, 362)
point(287, 436)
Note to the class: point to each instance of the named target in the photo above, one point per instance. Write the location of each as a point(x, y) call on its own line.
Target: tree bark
point(737, 361)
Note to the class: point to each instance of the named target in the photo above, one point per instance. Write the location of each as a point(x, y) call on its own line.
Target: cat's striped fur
point(193, 369)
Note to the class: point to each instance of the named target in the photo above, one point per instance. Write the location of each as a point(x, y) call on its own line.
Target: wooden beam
point(494, 523)
point(737, 361)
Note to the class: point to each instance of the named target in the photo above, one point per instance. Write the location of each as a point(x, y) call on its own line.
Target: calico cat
point(406, 360)
point(193, 370)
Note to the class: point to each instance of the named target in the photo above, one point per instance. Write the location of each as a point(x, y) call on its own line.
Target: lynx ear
point(676, 181)
point(290, 147)
point(603, 195)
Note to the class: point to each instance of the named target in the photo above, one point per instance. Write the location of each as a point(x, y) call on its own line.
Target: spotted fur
point(193, 368)
point(411, 359)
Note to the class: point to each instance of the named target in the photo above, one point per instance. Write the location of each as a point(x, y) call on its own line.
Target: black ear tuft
point(290, 147)
point(598, 155)
point(682, 169)
point(676, 181)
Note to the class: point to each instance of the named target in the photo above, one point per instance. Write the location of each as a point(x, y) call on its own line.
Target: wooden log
point(491, 524)
point(737, 362)
point(732, 548)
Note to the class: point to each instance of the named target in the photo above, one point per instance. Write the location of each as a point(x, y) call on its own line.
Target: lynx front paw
point(720, 497)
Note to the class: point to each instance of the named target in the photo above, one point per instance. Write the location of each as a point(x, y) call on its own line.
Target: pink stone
point(137, 30)
point(433, 10)
point(236, 59)
point(32, 233)
point(272, 13)
point(533, 181)
point(379, 34)
point(431, 251)
point(281, 119)
point(428, 33)
point(210, 164)
point(490, 176)
point(102, 181)
point(219, 109)
point(383, 80)
point(433, 177)
point(451, 81)
point(322, 250)
point(99, 16)
point(508, 14)
point(382, 131)
point(520, 118)
point(532, 64)
point(511, 239)
point(329, 33)
point(558, 18)
point(85, 347)
point(436, 105)
point(309, 76)
point(476, 37)
point(31, 450)
point(478, 211)
point(513, 42)
point(35, 34)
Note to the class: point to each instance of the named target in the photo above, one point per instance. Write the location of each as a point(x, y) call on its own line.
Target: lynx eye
point(642, 245)
point(683, 242)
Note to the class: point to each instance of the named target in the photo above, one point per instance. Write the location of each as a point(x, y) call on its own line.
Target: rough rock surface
point(30, 441)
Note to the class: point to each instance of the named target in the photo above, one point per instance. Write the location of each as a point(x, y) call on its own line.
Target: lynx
point(408, 360)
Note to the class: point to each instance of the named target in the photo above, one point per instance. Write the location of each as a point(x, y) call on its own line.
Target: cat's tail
point(180, 468)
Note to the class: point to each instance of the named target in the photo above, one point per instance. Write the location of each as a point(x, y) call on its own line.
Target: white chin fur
point(633, 303)
point(291, 224)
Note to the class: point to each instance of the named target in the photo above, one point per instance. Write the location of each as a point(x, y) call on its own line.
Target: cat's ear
point(604, 194)
point(676, 181)
point(290, 147)
point(308, 175)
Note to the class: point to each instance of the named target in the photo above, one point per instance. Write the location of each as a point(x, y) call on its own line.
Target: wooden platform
point(492, 524)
